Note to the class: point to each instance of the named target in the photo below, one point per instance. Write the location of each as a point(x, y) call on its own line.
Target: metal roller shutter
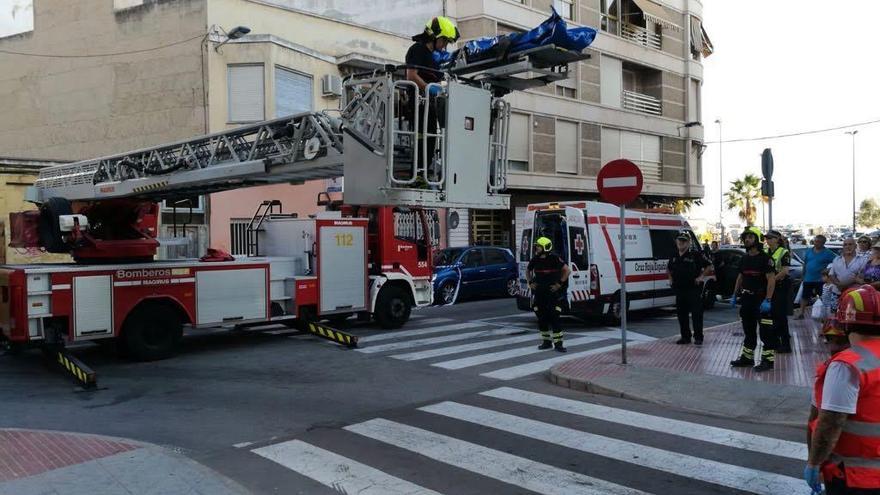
point(246, 94)
point(293, 92)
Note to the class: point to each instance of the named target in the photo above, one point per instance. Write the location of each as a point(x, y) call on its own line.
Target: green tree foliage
point(744, 196)
point(869, 213)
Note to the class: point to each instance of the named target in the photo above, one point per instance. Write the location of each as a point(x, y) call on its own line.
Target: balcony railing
point(642, 103)
point(640, 35)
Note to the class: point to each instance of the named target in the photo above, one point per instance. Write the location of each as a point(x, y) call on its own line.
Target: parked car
point(473, 271)
point(728, 260)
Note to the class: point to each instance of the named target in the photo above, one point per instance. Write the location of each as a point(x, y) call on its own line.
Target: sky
point(779, 67)
point(784, 66)
point(16, 16)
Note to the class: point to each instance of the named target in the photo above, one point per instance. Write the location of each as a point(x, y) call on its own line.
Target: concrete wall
point(77, 108)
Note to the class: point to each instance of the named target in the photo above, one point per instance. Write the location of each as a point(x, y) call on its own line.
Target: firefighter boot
point(784, 345)
point(559, 347)
point(767, 359)
point(546, 344)
point(746, 358)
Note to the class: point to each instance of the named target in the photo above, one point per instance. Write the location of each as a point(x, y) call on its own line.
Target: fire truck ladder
point(255, 226)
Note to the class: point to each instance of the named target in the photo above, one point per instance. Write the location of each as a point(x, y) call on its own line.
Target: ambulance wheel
point(613, 315)
point(152, 332)
point(393, 307)
point(513, 287)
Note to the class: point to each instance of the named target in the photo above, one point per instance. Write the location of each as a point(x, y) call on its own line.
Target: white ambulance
point(586, 234)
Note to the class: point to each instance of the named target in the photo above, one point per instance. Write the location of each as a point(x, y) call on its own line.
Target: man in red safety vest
point(844, 427)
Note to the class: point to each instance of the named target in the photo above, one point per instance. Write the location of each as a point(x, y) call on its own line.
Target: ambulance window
point(663, 244)
point(552, 225)
point(525, 246)
point(578, 242)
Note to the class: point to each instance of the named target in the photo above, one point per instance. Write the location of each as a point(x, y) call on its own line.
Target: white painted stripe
point(544, 365)
point(719, 473)
point(418, 332)
point(524, 314)
point(620, 182)
point(695, 431)
point(183, 280)
point(61, 287)
point(409, 344)
point(129, 283)
point(504, 467)
point(467, 362)
point(614, 333)
point(445, 351)
point(243, 445)
point(340, 473)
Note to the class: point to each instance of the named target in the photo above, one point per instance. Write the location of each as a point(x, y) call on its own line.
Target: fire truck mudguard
point(84, 375)
point(323, 331)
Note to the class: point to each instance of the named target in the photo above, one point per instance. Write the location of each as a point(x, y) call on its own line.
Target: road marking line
point(445, 351)
point(696, 431)
point(392, 334)
point(243, 445)
point(544, 365)
point(467, 362)
point(337, 472)
point(409, 344)
point(719, 473)
point(504, 467)
point(525, 314)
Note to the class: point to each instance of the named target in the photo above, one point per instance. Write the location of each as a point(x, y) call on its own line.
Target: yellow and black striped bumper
point(321, 330)
point(84, 375)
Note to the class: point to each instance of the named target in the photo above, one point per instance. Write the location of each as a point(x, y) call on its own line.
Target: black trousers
point(837, 486)
point(750, 313)
point(781, 302)
point(689, 305)
point(547, 309)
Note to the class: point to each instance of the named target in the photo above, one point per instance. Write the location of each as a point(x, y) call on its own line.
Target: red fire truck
point(370, 257)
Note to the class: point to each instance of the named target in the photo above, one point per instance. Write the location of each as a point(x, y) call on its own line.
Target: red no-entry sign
point(620, 182)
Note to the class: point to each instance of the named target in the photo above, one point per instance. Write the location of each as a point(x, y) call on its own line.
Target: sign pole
point(622, 284)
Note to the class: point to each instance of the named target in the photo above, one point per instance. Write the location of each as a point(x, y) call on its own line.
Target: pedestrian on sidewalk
point(871, 274)
point(754, 289)
point(547, 275)
point(815, 261)
point(843, 439)
point(864, 246)
point(782, 292)
point(846, 269)
point(686, 270)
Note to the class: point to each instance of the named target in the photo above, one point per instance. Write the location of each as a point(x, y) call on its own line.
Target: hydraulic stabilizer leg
point(325, 332)
point(85, 376)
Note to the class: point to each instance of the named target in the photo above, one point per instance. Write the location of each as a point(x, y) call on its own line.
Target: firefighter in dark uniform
point(754, 289)
point(547, 274)
point(782, 293)
point(686, 269)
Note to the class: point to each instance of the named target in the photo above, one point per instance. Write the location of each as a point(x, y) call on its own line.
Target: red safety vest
point(858, 448)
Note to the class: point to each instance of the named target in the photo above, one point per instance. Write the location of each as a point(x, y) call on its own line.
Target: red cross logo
point(579, 245)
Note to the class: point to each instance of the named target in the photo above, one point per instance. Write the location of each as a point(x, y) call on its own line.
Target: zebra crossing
point(503, 348)
point(512, 440)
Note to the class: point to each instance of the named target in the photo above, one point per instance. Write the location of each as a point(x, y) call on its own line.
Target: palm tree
point(744, 196)
point(682, 206)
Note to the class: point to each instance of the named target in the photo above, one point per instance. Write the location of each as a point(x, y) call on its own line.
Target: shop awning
point(657, 14)
point(700, 42)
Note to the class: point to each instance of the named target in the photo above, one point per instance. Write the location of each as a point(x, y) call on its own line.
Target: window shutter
point(293, 92)
point(631, 146)
point(611, 79)
point(610, 145)
point(518, 140)
point(246, 98)
point(566, 147)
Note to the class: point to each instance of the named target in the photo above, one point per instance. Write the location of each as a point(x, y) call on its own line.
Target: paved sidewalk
point(55, 463)
point(700, 379)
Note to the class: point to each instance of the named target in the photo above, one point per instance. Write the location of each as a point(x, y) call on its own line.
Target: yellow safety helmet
point(442, 27)
point(544, 243)
point(752, 230)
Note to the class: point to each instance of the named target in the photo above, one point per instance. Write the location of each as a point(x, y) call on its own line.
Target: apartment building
point(97, 77)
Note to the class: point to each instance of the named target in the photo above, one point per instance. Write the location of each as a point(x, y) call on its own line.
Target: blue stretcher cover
point(553, 31)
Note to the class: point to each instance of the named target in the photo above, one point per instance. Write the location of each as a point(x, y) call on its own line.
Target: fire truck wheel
point(393, 307)
point(151, 332)
point(49, 229)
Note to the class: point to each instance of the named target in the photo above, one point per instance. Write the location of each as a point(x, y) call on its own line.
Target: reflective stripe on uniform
point(868, 361)
point(856, 462)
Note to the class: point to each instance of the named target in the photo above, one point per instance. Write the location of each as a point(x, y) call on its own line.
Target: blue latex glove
point(733, 301)
point(811, 476)
point(766, 307)
point(434, 90)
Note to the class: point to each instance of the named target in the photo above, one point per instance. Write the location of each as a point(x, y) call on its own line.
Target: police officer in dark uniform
point(686, 268)
point(782, 293)
point(754, 289)
point(547, 275)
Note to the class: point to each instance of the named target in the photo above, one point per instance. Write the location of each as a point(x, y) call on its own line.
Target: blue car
point(472, 271)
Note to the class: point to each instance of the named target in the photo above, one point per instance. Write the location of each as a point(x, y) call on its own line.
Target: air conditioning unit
point(331, 86)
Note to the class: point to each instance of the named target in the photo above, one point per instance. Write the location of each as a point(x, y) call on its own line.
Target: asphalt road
point(455, 402)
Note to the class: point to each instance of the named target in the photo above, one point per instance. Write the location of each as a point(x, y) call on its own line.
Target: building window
point(611, 81)
point(246, 93)
point(565, 8)
point(184, 205)
point(694, 110)
point(567, 155)
point(518, 142)
point(238, 235)
point(293, 92)
point(610, 16)
point(566, 92)
point(641, 149)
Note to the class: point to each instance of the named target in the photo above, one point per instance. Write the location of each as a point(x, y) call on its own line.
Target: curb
point(589, 387)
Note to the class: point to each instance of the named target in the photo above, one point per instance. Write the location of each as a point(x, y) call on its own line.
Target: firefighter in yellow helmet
point(423, 70)
point(547, 275)
point(754, 289)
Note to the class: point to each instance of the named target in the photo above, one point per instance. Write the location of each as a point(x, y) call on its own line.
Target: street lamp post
point(854, 211)
point(720, 184)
